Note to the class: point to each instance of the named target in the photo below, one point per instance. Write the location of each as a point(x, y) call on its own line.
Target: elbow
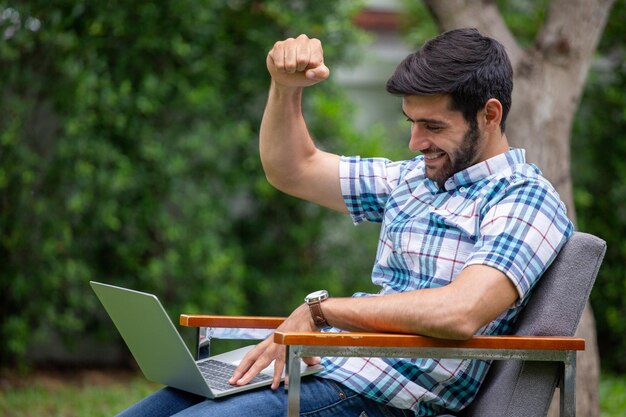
point(467, 317)
point(461, 326)
point(457, 330)
point(280, 177)
point(272, 180)
point(463, 331)
point(280, 183)
point(273, 177)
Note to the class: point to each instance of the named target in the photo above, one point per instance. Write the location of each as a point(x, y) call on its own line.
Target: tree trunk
point(548, 83)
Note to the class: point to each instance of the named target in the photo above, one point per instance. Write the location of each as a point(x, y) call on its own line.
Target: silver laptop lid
point(152, 338)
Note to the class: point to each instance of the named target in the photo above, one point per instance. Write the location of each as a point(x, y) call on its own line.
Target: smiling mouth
point(433, 155)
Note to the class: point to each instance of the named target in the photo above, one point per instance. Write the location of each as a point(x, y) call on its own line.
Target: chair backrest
point(525, 389)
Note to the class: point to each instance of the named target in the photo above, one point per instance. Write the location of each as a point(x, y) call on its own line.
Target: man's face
point(449, 144)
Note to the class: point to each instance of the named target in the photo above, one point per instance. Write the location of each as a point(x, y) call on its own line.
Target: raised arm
point(291, 161)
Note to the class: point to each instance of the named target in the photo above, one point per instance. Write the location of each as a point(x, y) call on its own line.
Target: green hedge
point(129, 155)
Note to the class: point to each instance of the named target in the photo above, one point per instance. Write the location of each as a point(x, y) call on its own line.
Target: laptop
point(161, 353)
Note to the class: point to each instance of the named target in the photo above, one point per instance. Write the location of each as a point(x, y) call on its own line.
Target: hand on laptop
point(267, 351)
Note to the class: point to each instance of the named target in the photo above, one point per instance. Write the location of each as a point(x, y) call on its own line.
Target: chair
point(529, 364)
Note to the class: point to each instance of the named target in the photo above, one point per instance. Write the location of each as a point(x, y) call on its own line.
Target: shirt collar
point(486, 168)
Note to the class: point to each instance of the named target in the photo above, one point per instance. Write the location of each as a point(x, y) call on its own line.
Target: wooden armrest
point(410, 341)
point(234, 322)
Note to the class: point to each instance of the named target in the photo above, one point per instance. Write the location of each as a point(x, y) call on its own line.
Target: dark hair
point(468, 66)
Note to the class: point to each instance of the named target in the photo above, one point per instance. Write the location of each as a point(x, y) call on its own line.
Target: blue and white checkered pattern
point(500, 213)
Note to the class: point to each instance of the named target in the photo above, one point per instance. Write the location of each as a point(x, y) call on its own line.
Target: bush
point(128, 155)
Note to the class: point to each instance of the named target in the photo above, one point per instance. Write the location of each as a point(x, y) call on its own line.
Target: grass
point(105, 393)
point(613, 396)
point(79, 394)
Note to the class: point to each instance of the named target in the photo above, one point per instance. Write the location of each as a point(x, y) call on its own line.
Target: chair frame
point(356, 344)
point(555, 309)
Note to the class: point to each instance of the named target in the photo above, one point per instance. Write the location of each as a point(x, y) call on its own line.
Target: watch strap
point(318, 314)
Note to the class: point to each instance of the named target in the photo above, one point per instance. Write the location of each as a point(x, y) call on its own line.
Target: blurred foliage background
point(128, 154)
point(599, 175)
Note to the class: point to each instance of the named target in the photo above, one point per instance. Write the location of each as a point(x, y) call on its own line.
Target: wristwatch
point(314, 301)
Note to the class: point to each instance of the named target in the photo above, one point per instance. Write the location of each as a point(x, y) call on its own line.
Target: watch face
point(316, 296)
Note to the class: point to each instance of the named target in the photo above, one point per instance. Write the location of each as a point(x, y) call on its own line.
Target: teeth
point(433, 155)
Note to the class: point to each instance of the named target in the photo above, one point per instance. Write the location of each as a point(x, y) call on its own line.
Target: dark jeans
point(319, 398)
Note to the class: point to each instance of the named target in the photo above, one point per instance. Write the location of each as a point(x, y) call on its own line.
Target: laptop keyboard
point(218, 373)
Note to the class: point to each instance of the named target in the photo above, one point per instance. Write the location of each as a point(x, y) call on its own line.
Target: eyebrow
point(426, 120)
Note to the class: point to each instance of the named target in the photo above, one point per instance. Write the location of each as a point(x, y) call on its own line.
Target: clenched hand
point(297, 62)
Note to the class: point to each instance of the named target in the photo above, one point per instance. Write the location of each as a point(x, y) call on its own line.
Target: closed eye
point(432, 125)
point(434, 129)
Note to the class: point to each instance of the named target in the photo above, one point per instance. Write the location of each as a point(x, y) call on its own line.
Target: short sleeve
point(366, 184)
point(522, 233)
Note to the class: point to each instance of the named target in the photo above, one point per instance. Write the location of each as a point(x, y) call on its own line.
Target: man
point(467, 230)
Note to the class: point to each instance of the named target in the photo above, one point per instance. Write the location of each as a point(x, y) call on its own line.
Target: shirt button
point(462, 189)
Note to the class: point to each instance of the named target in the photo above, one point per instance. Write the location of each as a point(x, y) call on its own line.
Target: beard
point(461, 158)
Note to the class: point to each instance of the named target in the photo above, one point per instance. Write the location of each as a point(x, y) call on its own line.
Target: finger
point(256, 361)
point(279, 367)
point(319, 73)
point(290, 55)
point(252, 372)
point(250, 359)
point(244, 366)
point(314, 360)
point(316, 53)
point(302, 59)
point(303, 53)
point(276, 56)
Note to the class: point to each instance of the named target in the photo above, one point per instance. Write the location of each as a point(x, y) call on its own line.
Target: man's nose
point(418, 141)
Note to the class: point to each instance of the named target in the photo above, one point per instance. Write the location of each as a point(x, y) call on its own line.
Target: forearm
point(455, 311)
point(291, 161)
point(285, 143)
point(411, 313)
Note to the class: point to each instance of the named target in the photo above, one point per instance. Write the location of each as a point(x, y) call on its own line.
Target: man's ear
point(493, 113)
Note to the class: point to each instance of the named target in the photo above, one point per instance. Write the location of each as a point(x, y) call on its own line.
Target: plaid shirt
point(500, 212)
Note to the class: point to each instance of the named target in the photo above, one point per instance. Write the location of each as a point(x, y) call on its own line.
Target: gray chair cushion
point(525, 389)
